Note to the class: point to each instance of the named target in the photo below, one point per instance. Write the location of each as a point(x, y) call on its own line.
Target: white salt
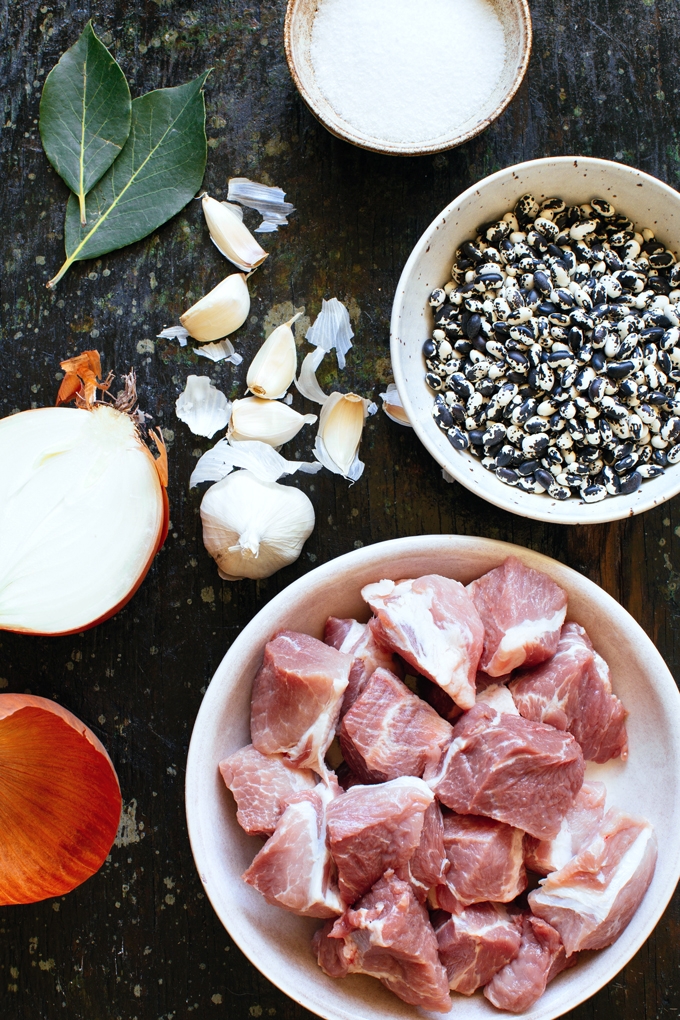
point(408, 70)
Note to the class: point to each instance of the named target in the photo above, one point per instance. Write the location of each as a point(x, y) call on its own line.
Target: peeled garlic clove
point(340, 427)
point(272, 370)
point(393, 407)
point(253, 528)
point(270, 421)
point(231, 236)
point(60, 800)
point(204, 408)
point(220, 312)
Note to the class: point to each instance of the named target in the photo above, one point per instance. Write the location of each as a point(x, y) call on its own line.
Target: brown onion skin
point(60, 800)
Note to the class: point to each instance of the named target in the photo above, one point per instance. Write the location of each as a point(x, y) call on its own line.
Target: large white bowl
point(577, 179)
point(278, 943)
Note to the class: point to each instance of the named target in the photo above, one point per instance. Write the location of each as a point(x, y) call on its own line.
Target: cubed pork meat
point(438, 699)
point(374, 828)
point(262, 785)
point(541, 957)
point(294, 869)
point(475, 944)
point(517, 771)
point(390, 732)
point(357, 639)
point(433, 624)
point(486, 863)
point(593, 897)
point(579, 825)
point(296, 699)
point(522, 611)
point(388, 935)
point(429, 862)
point(572, 691)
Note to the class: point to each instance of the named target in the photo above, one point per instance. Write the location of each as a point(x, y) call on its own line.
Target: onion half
point(59, 800)
point(83, 511)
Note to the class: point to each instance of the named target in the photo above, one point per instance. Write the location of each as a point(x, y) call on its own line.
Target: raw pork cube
point(262, 785)
point(433, 624)
point(296, 699)
point(511, 769)
point(593, 897)
point(357, 639)
point(389, 936)
point(521, 982)
point(429, 863)
point(522, 611)
point(579, 825)
point(475, 944)
point(389, 732)
point(485, 862)
point(573, 692)
point(294, 869)
point(373, 828)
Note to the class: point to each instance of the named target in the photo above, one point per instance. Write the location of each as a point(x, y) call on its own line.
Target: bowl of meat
point(439, 773)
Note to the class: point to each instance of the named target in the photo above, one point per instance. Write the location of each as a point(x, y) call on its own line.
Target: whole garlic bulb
point(253, 528)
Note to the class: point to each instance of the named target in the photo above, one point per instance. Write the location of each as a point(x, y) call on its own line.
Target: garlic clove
point(393, 407)
point(272, 370)
point(202, 407)
point(340, 427)
point(263, 460)
point(222, 350)
point(220, 311)
point(269, 421)
point(306, 383)
point(253, 528)
point(60, 800)
point(231, 236)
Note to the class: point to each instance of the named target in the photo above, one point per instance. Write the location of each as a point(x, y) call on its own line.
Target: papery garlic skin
point(306, 383)
point(273, 368)
point(340, 427)
point(269, 421)
point(221, 311)
point(231, 236)
point(253, 528)
point(203, 407)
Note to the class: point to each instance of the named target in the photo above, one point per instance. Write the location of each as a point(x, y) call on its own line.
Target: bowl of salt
point(407, 77)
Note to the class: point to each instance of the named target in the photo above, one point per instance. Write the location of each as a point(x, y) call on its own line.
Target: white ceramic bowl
point(647, 201)
point(515, 18)
point(278, 943)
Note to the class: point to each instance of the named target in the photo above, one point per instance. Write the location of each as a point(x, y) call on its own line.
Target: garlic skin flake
point(220, 311)
point(223, 350)
point(306, 383)
point(340, 427)
point(272, 370)
point(178, 333)
point(263, 460)
point(204, 408)
point(253, 528)
point(393, 407)
point(270, 421)
point(332, 329)
point(268, 201)
point(231, 236)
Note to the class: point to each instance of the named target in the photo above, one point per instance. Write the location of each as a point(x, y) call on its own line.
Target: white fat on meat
point(511, 650)
point(579, 825)
point(593, 897)
point(433, 624)
point(499, 697)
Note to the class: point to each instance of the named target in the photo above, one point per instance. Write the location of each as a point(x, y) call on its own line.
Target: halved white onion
point(83, 511)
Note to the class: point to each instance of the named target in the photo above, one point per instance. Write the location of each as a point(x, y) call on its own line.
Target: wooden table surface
point(139, 941)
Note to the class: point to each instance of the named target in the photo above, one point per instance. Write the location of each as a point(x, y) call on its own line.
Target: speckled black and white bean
point(555, 353)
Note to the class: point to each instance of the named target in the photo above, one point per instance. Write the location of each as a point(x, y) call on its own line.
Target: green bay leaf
point(159, 170)
point(84, 114)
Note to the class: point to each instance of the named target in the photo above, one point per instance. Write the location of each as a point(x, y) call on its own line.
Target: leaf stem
point(51, 284)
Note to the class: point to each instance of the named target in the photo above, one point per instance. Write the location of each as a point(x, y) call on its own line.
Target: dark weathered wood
point(139, 941)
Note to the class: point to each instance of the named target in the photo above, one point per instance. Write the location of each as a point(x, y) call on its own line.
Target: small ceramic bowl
point(278, 943)
point(647, 201)
point(515, 18)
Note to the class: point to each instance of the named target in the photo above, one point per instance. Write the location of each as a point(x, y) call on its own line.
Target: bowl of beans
point(535, 340)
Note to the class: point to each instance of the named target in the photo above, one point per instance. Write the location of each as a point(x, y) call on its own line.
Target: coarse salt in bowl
point(407, 77)
point(644, 199)
point(277, 942)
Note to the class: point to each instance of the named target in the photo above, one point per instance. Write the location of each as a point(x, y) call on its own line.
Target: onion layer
point(83, 511)
point(59, 800)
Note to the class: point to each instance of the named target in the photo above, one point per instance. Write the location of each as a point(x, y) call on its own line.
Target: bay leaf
point(159, 170)
point(84, 114)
